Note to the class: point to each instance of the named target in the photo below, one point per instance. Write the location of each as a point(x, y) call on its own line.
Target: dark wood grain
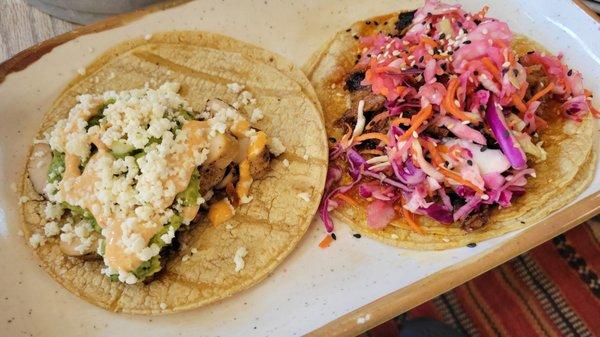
point(24, 58)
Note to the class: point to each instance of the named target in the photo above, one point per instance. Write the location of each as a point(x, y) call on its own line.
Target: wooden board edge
point(402, 300)
point(26, 57)
point(587, 10)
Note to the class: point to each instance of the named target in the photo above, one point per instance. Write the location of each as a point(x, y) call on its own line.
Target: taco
point(446, 128)
point(173, 174)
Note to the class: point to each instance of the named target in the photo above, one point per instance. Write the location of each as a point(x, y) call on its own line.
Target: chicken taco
point(446, 128)
point(173, 173)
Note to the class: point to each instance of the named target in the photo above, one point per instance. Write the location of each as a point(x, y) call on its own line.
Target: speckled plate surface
point(313, 287)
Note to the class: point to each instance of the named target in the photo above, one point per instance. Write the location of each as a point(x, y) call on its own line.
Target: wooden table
point(22, 26)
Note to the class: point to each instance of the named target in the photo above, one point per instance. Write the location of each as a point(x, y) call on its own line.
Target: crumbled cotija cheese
point(256, 115)
point(304, 196)
point(238, 259)
point(235, 88)
point(51, 229)
point(276, 147)
point(37, 240)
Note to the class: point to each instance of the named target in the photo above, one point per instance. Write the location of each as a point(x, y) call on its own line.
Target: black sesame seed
point(443, 66)
point(482, 107)
point(522, 222)
point(467, 42)
point(477, 21)
point(348, 30)
point(376, 23)
point(357, 235)
point(368, 22)
point(421, 59)
point(442, 36)
point(476, 73)
point(470, 162)
point(333, 236)
point(483, 148)
point(459, 24)
point(516, 72)
point(464, 30)
point(570, 72)
point(333, 140)
point(450, 52)
point(355, 37)
point(472, 245)
point(530, 52)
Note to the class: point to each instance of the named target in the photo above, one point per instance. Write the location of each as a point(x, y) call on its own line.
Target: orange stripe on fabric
point(576, 293)
point(527, 301)
point(476, 310)
point(505, 308)
point(583, 240)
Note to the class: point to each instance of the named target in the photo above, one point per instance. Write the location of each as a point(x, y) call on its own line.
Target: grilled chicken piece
point(37, 167)
point(210, 176)
point(259, 164)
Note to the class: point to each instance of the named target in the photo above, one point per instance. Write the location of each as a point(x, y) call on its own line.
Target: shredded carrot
point(416, 121)
point(511, 58)
point(412, 221)
point(326, 241)
point(347, 199)
point(371, 135)
point(518, 102)
point(427, 40)
point(380, 116)
point(435, 156)
point(401, 120)
point(492, 68)
point(456, 177)
point(372, 151)
point(443, 148)
point(448, 101)
point(481, 14)
point(541, 93)
point(400, 89)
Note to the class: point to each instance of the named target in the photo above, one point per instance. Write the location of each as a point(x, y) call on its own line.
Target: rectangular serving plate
point(322, 292)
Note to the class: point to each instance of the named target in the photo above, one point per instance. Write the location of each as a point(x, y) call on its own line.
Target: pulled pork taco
point(174, 173)
point(446, 128)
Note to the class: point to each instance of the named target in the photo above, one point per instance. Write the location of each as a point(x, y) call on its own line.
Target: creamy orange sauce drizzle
point(81, 188)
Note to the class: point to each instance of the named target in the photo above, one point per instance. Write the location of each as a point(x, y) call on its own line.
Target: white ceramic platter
point(313, 286)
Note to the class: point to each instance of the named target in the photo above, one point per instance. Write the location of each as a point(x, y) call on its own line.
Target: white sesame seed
point(485, 197)
point(415, 134)
point(147, 37)
point(163, 305)
point(506, 64)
